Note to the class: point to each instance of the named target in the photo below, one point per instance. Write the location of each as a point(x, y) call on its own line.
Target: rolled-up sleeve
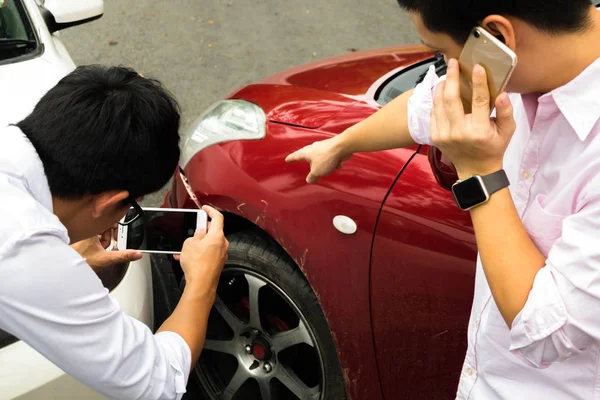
point(53, 301)
point(560, 318)
point(420, 105)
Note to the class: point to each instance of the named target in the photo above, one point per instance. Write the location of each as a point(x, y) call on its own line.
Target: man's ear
point(105, 202)
point(502, 28)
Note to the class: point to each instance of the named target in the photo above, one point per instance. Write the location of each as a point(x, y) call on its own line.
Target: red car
point(358, 287)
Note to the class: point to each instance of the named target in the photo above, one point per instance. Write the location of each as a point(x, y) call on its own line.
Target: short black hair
point(105, 128)
point(457, 17)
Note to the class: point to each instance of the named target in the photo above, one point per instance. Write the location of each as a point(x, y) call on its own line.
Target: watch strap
point(495, 181)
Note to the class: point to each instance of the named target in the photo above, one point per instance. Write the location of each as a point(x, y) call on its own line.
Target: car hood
point(23, 84)
point(312, 94)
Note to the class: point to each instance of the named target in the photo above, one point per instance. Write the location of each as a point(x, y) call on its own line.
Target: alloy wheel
point(259, 345)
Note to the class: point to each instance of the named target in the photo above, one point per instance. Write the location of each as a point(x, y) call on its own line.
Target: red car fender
point(272, 195)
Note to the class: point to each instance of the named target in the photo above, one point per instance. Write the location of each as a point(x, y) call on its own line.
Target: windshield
point(17, 37)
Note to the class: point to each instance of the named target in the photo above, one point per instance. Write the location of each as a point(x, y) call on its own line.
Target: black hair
point(457, 17)
point(105, 128)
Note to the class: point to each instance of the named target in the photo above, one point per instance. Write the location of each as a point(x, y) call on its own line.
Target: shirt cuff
point(179, 356)
point(543, 315)
point(420, 105)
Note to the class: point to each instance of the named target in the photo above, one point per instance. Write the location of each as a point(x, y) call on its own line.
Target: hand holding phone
point(495, 57)
point(203, 255)
point(475, 143)
point(161, 230)
point(98, 255)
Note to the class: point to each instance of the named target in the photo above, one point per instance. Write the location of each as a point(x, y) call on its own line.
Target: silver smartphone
point(162, 230)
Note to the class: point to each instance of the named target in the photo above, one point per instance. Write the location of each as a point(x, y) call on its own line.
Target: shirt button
point(469, 371)
point(477, 324)
point(526, 175)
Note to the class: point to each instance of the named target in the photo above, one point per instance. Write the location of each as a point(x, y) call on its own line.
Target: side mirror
point(62, 14)
point(443, 170)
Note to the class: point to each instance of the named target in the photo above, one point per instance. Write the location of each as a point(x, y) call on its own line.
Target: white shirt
point(53, 301)
point(552, 351)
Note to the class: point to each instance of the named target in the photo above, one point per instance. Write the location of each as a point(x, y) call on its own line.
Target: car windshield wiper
point(8, 42)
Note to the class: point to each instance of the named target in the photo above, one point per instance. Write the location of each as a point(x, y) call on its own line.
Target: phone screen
point(162, 231)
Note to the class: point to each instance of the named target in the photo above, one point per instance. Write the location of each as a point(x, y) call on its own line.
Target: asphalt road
point(204, 50)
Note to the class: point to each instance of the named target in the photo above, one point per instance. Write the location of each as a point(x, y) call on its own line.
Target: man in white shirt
point(534, 331)
point(96, 142)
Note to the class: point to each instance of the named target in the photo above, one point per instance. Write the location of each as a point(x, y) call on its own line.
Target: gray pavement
point(203, 50)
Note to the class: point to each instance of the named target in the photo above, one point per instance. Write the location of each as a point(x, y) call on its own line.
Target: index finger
point(481, 94)
point(299, 155)
point(217, 220)
point(117, 257)
point(452, 100)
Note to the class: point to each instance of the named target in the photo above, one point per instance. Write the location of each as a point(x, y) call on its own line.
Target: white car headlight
point(224, 121)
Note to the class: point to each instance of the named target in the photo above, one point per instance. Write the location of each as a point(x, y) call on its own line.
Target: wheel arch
point(236, 223)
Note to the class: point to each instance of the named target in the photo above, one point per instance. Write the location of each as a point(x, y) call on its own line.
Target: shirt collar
point(579, 100)
point(18, 158)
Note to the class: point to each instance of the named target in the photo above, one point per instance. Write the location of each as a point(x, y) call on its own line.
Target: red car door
point(422, 279)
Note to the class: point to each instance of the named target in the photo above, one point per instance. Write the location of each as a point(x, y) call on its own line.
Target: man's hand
point(203, 256)
point(202, 259)
point(94, 251)
point(475, 143)
point(324, 157)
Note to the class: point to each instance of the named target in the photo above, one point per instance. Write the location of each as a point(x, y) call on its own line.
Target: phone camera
point(476, 34)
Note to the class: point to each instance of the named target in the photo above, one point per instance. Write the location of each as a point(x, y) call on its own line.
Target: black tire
point(165, 288)
point(263, 257)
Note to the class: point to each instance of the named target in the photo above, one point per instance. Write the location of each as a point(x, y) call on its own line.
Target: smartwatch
point(476, 190)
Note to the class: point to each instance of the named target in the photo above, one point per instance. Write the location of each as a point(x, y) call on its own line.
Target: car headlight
point(224, 121)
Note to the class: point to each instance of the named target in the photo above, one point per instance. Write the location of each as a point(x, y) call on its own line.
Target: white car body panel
point(24, 83)
point(74, 10)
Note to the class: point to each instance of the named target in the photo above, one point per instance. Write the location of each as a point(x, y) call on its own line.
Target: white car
point(33, 60)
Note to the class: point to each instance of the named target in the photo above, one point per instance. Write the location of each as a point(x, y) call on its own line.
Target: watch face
point(470, 193)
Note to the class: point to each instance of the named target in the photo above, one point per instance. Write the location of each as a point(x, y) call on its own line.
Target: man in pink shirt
point(534, 331)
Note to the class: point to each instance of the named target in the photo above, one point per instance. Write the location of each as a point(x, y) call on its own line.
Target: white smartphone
point(162, 230)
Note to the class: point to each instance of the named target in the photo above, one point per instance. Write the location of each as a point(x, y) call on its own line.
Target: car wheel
point(267, 337)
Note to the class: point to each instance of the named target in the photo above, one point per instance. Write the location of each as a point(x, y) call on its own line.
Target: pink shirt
point(552, 351)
